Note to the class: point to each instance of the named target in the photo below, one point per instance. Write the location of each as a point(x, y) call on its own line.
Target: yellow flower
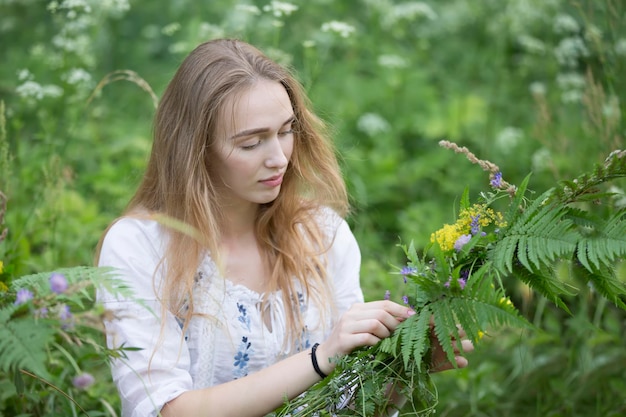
point(450, 233)
point(3, 287)
point(446, 236)
point(506, 301)
point(480, 334)
point(1, 266)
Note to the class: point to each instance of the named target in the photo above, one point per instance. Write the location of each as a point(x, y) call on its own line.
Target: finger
point(461, 361)
point(393, 308)
point(466, 346)
point(375, 327)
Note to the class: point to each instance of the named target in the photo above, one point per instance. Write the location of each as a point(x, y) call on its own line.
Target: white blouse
point(227, 340)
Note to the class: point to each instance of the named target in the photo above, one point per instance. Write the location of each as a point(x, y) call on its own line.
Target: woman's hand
point(439, 360)
point(364, 324)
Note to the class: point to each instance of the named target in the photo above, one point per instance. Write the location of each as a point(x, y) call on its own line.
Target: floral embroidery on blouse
point(304, 342)
point(242, 356)
point(243, 318)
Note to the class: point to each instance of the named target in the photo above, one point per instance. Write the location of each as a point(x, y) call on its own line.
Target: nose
point(277, 153)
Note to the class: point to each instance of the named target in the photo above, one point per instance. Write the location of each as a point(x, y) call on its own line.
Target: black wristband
point(314, 360)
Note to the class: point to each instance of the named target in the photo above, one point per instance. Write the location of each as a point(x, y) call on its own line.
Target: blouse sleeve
point(345, 266)
point(158, 371)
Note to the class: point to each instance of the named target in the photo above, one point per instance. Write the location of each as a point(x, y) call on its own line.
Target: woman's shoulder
point(333, 225)
point(130, 226)
point(134, 232)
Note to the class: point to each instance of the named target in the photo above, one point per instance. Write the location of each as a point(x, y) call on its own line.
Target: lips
point(274, 181)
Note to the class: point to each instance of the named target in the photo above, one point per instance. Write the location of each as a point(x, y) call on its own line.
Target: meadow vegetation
point(536, 86)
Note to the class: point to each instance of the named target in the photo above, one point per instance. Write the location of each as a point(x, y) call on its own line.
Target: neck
point(239, 222)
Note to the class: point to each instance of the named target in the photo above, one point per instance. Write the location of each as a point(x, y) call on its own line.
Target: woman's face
point(255, 144)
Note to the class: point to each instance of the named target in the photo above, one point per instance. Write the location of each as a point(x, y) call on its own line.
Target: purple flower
point(22, 296)
point(387, 295)
point(461, 281)
point(407, 270)
point(496, 180)
point(58, 283)
point(461, 241)
point(83, 381)
point(64, 313)
point(405, 299)
point(475, 225)
point(42, 313)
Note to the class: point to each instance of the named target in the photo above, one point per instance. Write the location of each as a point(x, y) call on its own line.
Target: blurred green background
point(531, 85)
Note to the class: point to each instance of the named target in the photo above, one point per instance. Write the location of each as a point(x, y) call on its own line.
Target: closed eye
point(251, 145)
point(285, 132)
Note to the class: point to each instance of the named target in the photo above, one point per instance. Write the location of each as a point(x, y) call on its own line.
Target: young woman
point(236, 247)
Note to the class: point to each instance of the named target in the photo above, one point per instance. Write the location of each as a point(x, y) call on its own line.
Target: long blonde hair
point(179, 181)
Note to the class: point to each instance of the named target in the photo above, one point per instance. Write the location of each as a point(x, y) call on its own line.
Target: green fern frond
point(585, 187)
point(605, 282)
point(23, 345)
point(604, 243)
point(102, 277)
point(545, 282)
point(413, 335)
point(445, 326)
point(537, 239)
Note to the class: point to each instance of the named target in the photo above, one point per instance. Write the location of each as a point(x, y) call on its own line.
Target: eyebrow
point(256, 131)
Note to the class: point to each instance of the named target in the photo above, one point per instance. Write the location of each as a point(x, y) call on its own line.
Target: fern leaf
point(605, 282)
point(414, 336)
point(23, 345)
point(604, 244)
point(445, 327)
point(545, 283)
point(467, 316)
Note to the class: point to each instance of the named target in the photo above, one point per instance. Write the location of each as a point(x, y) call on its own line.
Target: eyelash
point(249, 147)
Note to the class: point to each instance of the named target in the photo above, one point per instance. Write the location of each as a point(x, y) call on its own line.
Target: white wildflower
point(508, 138)
point(115, 7)
point(341, 28)
point(35, 91)
point(408, 11)
point(170, 29)
point(537, 88)
point(569, 50)
point(531, 44)
point(77, 76)
point(372, 124)
point(24, 75)
point(248, 8)
point(593, 34)
point(71, 6)
point(392, 61)
point(309, 43)
point(280, 8)
point(541, 160)
point(179, 48)
point(570, 81)
point(564, 23)
point(572, 85)
point(572, 96)
point(210, 31)
point(611, 109)
point(51, 90)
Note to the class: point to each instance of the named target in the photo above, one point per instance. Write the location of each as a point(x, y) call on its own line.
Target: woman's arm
point(264, 391)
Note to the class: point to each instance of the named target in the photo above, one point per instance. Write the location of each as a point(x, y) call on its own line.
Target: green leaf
point(23, 345)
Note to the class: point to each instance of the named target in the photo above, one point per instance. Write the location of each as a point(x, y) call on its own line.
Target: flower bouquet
point(458, 281)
